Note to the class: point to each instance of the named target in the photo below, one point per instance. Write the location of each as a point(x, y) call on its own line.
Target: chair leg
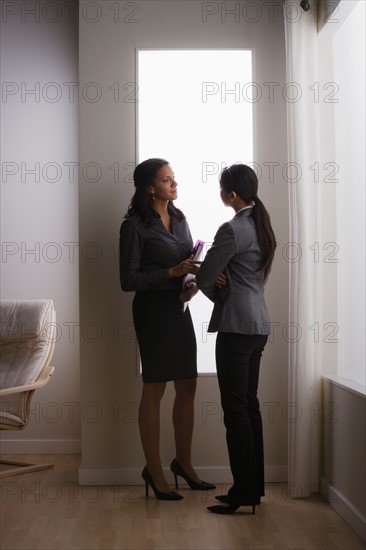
point(21, 468)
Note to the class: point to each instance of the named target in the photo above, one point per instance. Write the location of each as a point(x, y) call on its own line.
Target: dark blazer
point(147, 250)
point(239, 306)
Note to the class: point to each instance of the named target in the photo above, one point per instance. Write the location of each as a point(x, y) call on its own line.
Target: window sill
point(346, 384)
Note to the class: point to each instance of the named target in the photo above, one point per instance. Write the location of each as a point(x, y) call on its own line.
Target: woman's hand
point(189, 291)
point(185, 267)
point(221, 280)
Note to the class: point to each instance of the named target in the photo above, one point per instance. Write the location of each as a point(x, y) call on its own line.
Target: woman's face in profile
point(165, 186)
point(224, 196)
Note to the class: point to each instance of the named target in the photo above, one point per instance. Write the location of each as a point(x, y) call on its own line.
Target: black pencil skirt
point(165, 335)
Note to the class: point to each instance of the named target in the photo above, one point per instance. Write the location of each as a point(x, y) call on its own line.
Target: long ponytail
point(265, 234)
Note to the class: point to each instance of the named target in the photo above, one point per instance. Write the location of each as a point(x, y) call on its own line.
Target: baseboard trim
point(276, 474)
point(344, 508)
point(40, 446)
point(128, 476)
point(120, 476)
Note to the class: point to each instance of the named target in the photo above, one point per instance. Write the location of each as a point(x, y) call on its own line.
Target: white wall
point(40, 52)
point(39, 210)
point(110, 387)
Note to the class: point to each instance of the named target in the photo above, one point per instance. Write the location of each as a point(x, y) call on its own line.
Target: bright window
point(349, 74)
point(195, 110)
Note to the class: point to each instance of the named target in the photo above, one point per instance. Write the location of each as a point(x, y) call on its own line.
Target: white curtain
point(305, 298)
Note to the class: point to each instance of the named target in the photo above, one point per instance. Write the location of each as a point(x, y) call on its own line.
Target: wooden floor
point(49, 510)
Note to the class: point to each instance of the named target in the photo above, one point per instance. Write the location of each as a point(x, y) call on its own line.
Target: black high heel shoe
point(223, 498)
point(226, 499)
point(172, 495)
point(229, 509)
point(177, 470)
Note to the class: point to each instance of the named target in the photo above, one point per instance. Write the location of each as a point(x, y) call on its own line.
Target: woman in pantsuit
point(233, 276)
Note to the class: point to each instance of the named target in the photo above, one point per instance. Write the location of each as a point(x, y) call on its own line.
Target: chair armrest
point(39, 383)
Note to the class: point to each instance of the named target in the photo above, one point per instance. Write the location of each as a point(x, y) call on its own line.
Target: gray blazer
point(239, 306)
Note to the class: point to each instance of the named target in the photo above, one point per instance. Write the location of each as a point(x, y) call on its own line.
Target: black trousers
point(238, 359)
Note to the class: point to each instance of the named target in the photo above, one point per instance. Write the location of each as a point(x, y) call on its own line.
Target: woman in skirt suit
point(155, 254)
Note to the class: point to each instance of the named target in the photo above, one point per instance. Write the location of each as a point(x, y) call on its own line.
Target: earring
point(153, 196)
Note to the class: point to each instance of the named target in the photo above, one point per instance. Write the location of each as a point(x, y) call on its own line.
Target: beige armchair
point(27, 340)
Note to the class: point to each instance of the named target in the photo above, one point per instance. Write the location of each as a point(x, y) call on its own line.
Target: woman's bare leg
point(183, 420)
point(149, 424)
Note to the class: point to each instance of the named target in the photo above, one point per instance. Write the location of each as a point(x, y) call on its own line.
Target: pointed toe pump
point(194, 485)
point(229, 509)
point(172, 495)
point(225, 499)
